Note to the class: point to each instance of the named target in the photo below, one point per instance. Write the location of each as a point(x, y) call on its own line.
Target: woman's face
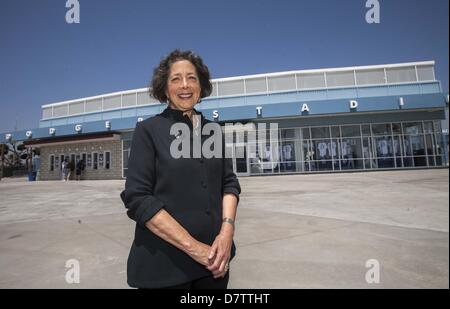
point(183, 86)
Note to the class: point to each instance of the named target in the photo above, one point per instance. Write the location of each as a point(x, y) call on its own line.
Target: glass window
point(129, 99)
point(322, 165)
point(406, 146)
point(100, 160)
point(320, 132)
point(126, 144)
point(384, 152)
point(368, 153)
point(334, 147)
point(352, 164)
point(437, 126)
point(428, 127)
point(351, 148)
point(418, 149)
point(47, 112)
point(93, 105)
point(89, 160)
point(52, 162)
point(269, 163)
point(339, 79)
point(126, 155)
point(107, 160)
point(429, 140)
point(365, 130)
point(256, 85)
point(397, 150)
point(280, 83)
point(112, 102)
point(397, 128)
point(425, 73)
point(311, 81)
point(401, 75)
point(381, 129)
point(144, 98)
point(288, 133)
point(321, 151)
point(287, 157)
point(335, 131)
point(370, 77)
point(384, 146)
point(95, 161)
point(351, 153)
point(350, 131)
point(76, 108)
point(397, 146)
point(56, 163)
point(440, 143)
point(306, 133)
point(235, 87)
point(61, 159)
point(60, 111)
point(413, 128)
point(214, 90)
point(321, 155)
point(432, 161)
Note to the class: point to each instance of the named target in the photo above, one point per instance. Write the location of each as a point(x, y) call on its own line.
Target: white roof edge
point(111, 94)
point(340, 69)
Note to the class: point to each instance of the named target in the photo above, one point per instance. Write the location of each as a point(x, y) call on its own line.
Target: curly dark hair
point(158, 85)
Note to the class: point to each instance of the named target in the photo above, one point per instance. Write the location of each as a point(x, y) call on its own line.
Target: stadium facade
point(329, 120)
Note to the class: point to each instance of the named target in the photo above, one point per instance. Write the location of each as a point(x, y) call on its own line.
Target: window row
point(306, 81)
point(346, 153)
point(364, 130)
point(299, 81)
point(93, 161)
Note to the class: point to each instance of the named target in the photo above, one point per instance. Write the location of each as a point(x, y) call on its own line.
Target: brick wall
point(114, 172)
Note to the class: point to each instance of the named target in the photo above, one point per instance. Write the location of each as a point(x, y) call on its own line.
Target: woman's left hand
point(220, 253)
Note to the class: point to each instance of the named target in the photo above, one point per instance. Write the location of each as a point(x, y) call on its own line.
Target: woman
point(184, 208)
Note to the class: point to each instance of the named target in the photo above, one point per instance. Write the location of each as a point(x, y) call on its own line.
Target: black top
point(189, 189)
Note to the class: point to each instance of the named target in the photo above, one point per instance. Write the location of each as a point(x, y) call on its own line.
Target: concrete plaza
point(293, 231)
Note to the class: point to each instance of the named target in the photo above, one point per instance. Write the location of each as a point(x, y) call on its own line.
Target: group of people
point(68, 167)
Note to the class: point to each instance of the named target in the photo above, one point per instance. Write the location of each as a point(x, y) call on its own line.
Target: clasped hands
point(217, 256)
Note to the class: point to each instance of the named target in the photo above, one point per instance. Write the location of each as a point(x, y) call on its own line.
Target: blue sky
point(117, 43)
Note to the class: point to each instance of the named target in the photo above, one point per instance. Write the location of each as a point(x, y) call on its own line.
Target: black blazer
point(190, 189)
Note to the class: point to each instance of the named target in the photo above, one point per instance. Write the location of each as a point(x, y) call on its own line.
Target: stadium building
point(329, 120)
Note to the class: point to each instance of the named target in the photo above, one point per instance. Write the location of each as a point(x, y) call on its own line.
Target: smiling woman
point(175, 65)
point(183, 86)
point(184, 208)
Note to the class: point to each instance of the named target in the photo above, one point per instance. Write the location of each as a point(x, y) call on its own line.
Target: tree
point(12, 156)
